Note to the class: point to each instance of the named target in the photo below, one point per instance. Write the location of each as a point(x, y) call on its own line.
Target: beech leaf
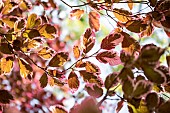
point(76, 14)
point(119, 106)
point(43, 80)
point(164, 108)
point(58, 109)
point(94, 90)
point(111, 80)
point(73, 81)
point(76, 52)
point(25, 68)
point(5, 97)
point(92, 68)
point(45, 53)
point(122, 15)
point(152, 100)
point(5, 48)
point(6, 64)
point(128, 87)
point(112, 40)
point(31, 21)
point(94, 20)
point(59, 59)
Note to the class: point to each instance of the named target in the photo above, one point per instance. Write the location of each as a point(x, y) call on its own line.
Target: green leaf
point(128, 87)
point(43, 80)
point(59, 59)
point(5, 97)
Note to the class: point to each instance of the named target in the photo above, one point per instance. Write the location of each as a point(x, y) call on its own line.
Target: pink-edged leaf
point(149, 30)
point(88, 40)
point(112, 40)
point(73, 81)
point(92, 68)
point(111, 80)
point(94, 20)
point(58, 109)
point(119, 106)
point(59, 59)
point(108, 57)
point(43, 80)
point(76, 52)
point(76, 14)
point(94, 90)
point(88, 105)
point(128, 87)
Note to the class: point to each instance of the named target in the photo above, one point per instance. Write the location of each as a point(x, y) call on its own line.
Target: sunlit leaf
point(58, 109)
point(141, 88)
point(19, 25)
point(112, 40)
point(130, 4)
point(122, 15)
point(10, 21)
point(73, 81)
point(31, 21)
point(8, 7)
point(5, 97)
point(59, 59)
point(92, 68)
point(136, 26)
point(111, 80)
point(94, 20)
point(108, 57)
point(32, 44)
point(5, 48)
point(76, 52)
point(24, 5)
point(152, 100)
point(76, 14)
point(47, 31)
point(148, 31)
point(45, 53)
point(94, 90)
point(43, 80)
point(6, 64)
point(25, 68)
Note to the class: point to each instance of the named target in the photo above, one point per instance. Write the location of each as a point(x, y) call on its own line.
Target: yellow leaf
point(45, 53)
point(6, 65)
point(76, 52)
point(47, 31)
point(33, 44)
point(122, 15)
point(25, 68)
point(31, 21)
point(7, 8)
point(94, 20)
point(9, 21)
point(58, 109)
point(76, 14)
point(130, 5)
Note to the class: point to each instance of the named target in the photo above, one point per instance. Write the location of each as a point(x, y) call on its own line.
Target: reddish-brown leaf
point(112, 40)
point(76, 14)
point(119, 106)
point(108, 57)
point(92, 68)
point(58, 109)
point(136, 26)
point(43, 80)
point(59, 59)
point(128, 87)
point(76, 52)
point(5, 97)
point(152, 100)
point(5, 48)
point(111, 80)
point(94, 90)
point(153, 2)
point(94, 20)
point(73, 81)
point(164, 108)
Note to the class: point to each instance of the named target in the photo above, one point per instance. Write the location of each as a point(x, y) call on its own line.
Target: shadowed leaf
point(152, 100)
point(128, 87)
point(153, 2)
point(94, 90)
point(5, 48)
point(164, 108)
point(5, 97)
point(43, 80)
point(111, 80)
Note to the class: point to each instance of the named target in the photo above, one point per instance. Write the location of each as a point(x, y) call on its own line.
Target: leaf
point(130, 4)
point(112, 40)
point(129, 44)
point(149, 30)
point(122, 15)
point(31, 21)
point(119, 106)
point(88, 40)
point(94, 20)
point(45, 53)
point(6, 64)
point(154, 75)
point(33, 33)
point(47, 31)
point(111, 80)
point(141, 88)
point(73, 81)
point(76, 52)
point(108, 57)
point(76, 14)
point(25, 68)
point(164, 108)
point(5, 48)
point(152, 100)
point(168, 60)
point(5, 97)
point(136, 26)
point(10, 21)
point(24, 5)
point(58, 109)
point(125, 73)
point(128, 87)
point(153, 2)
point(43, 80)
point(94, 90)
point(92, 68)
point(59, 59)
point(32, 44)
